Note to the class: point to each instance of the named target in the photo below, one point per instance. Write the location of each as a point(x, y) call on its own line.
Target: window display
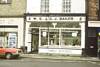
point(12, 40)
point(8, 39)
point(61, 37)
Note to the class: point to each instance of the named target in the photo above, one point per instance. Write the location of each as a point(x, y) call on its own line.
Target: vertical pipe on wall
point(84, 51)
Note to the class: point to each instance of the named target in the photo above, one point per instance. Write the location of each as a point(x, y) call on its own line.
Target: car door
point(2, 51)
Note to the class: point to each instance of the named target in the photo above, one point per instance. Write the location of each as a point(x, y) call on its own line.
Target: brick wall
point(93, 9)
point(15, 8)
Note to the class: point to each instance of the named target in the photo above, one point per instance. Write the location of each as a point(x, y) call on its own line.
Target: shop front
point(93, 47)
point(55, 34)
point(8, 39)
point(11, 32)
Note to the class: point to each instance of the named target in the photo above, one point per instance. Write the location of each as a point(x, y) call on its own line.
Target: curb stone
point(61, 57)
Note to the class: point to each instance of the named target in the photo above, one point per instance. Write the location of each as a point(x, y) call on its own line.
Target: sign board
point(59, 18)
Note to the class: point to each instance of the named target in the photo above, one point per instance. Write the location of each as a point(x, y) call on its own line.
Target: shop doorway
point(35, 40)
point(92, 46)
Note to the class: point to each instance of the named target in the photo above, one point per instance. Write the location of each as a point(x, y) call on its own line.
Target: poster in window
point(12, 40)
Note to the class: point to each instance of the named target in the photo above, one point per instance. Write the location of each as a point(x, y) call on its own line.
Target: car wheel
point(8, 56)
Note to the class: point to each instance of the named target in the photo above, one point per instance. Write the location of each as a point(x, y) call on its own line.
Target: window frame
point(5, 1)
point(66, 6)
point(44, 6)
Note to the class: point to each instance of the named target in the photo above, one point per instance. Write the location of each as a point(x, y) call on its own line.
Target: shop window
point(8, 39)
point(53, 36)
point(71, 38)
point(5, 1)
point(64, 38)
point(12, 40)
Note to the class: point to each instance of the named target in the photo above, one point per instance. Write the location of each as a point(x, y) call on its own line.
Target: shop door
point(35, 40)
point(92, 42)
point(92, 46)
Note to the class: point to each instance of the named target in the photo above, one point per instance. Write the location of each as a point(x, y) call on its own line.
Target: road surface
point(28, 62)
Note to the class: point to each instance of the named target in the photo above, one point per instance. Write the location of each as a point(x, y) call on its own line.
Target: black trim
point(99, 11)
point(55, 14)
point(15, 16)
point(3, 26)
point(86, 24)
point(5, 3)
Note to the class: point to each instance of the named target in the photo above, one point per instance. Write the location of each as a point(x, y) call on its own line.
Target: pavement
point(61, 57)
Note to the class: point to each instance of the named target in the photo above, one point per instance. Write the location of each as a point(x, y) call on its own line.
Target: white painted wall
point(82, 34)
point(12, 22)
point(55, 6)
point(9, 29)
point(94, 24)
point(61, 51)
point(33, 6)
point(28, 37)
point(78, 6)
point(20, 32)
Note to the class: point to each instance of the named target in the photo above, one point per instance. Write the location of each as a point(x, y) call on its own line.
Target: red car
point(8, 53)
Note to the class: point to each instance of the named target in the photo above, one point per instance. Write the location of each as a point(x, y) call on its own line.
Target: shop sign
point(63, 18)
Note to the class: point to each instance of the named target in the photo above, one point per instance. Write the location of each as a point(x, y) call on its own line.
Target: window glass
point(71, 37)
point(66, 6)
point(8, 39)
point(44, 6)
point(62, 37)
point(5, 1)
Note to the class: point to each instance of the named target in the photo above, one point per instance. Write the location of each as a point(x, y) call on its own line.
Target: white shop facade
point(55, 33)
point(11, 32)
